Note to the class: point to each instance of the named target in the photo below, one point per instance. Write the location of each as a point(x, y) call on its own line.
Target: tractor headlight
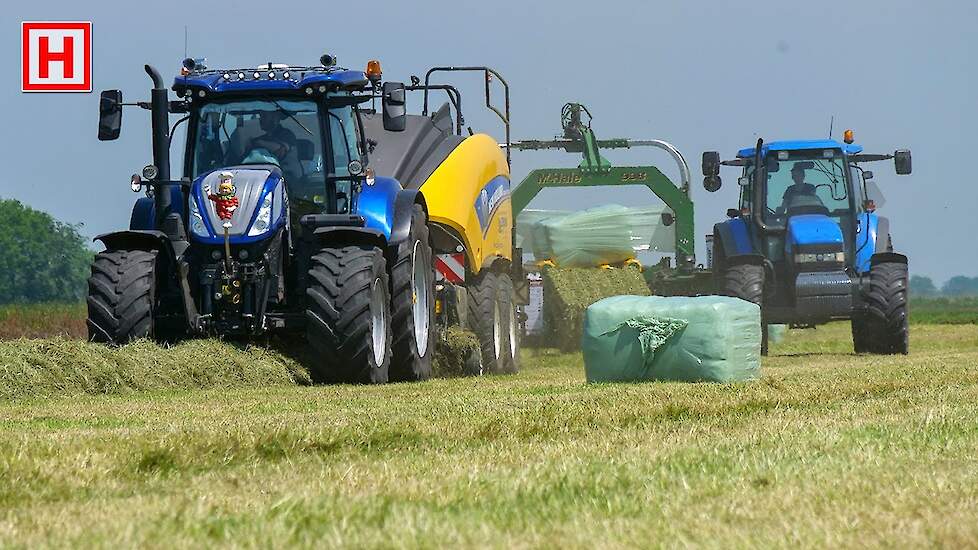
point(197, 226)
point(264, 218)
point(823, 257)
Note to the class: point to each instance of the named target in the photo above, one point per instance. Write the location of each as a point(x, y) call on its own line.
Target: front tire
point(885, 321)
point(122, 296)
point(746, 281)
point(348, 315)
point(413, 304)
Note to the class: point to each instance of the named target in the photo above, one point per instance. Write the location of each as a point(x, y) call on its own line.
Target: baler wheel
point(413, 304)
point(348, 315)
point(121, 296)
point(486, 319)
point(510, 324)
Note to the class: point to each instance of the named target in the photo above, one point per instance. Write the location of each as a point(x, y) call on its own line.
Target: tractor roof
point(801, 144)
point(278, 77)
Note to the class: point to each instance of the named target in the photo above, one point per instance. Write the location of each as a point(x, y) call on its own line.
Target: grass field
point(828, 449)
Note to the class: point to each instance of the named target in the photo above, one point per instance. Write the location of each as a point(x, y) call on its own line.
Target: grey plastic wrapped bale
point(705, 338)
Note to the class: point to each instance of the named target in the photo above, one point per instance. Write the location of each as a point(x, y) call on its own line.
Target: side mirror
point(712, 183)
point(109, 115)
point(395, 110)
point(902, 162)
point(711, 163)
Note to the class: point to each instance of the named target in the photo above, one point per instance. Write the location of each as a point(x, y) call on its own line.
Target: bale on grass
point(567, 292)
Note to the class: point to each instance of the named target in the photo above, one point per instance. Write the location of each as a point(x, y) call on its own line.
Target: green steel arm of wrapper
point(595, 170)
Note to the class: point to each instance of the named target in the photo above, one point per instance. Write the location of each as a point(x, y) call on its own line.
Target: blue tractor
point(806, 242)
point(299, 211)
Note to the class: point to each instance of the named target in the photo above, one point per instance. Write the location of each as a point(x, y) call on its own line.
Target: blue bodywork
point(376, 204)
point(812, 230)
point(143, 216)
point(866, 239)
point(215, 235)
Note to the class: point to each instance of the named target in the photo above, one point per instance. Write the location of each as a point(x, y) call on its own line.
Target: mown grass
point(828, 449)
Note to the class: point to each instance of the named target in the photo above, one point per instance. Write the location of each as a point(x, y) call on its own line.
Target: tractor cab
point(294, 126)
point(808, 199)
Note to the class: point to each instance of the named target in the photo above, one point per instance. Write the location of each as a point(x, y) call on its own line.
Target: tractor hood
point(813, 233)
point(260, 210)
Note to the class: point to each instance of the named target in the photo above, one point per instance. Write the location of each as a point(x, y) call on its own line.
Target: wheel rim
point(420, 300)
point(512, 333)
point(497, 331)
point(378, 319)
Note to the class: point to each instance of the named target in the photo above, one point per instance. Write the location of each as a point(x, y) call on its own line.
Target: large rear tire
point(413, 304)
point(348, 315)
point(745, 281)
point(511, 331)
point(486, 319)
point(885, 321)
point(122, 296)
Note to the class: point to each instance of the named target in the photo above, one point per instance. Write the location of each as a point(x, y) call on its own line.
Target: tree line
point(960, 285)
point(41, 259)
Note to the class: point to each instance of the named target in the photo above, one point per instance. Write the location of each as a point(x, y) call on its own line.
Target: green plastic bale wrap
point(607, 234)
point(704, 338)
point(567, 292)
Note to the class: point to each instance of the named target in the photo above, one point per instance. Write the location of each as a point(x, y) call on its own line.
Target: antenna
point(831, 124)
point(186, 36)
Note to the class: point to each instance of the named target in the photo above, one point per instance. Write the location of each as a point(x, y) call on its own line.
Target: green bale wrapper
point(705, 338)
point(569, 291)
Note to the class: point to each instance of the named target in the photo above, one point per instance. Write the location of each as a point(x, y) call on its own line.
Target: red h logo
point(56, 56)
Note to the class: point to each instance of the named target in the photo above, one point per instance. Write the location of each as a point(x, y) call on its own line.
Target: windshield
point(285, 133)
point(805, 183)
point(281, 132)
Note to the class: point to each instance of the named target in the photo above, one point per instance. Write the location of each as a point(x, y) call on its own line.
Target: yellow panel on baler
point(470, 193)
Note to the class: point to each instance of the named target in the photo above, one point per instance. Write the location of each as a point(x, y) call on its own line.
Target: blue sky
point(702, 75)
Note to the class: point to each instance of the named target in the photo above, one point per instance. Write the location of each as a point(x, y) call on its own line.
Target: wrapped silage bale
point(607, 234)
point(703, 338)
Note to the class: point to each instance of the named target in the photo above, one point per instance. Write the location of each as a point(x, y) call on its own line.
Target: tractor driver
point(274, 145)
point(799, 194)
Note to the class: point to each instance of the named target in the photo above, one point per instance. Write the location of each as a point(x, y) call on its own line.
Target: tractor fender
point(345, 235)
point(147, 240)
point(872, 238)
point(403, 207)
point(734, 238)
point(888, 257)
point(883, 243)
